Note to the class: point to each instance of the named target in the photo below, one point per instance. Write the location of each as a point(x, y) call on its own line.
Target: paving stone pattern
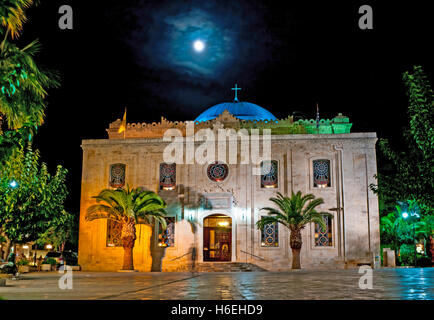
point(411, 283)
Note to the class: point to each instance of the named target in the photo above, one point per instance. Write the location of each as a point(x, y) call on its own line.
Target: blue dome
point(241, 110)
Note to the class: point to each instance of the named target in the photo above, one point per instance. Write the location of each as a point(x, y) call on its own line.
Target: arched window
point(269, 174)
point(321, 173)
point(117, 175)
point(324, 238)
point(114, 233)
point(166, 237)
point(167, 176)
point(270, 235)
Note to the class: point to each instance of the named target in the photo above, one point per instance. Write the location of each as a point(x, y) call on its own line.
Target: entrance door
point(217, 238)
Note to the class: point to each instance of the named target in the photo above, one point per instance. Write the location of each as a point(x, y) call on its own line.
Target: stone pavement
point(411, 283)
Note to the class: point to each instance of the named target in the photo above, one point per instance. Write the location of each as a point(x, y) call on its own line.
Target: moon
point(198, 45)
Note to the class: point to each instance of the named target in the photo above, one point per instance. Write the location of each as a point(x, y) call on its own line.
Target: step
point(228, 267)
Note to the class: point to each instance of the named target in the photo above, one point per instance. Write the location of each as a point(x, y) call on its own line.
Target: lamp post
point(405, 215)
point(12, 185)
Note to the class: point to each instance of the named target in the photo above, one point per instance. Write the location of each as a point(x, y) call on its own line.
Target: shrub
point(23, 262)
point(406, 255)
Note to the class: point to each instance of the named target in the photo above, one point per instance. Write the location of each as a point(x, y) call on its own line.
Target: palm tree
point(425, 227)
point(23, 86)
point(126, 207)
point(13, 15)
point(294, 213)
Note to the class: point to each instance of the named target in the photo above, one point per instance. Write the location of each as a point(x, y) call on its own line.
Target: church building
point(213, 207)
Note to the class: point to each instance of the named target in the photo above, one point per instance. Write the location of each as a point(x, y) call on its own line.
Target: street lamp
point(405, 215)
point(13, 184)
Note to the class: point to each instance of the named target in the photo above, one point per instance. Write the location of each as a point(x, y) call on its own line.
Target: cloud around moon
point(238, 44)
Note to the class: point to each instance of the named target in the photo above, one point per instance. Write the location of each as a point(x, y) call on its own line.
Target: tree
point(412, 171)
point(60, 231)
point(31, 200)
point(295, 212)
point(395, 230)
point(12, 139)
point(425, 228)
point(30, 197)
point(399, 232)
point(13, 15)
point(23, 85)
point(127, 207)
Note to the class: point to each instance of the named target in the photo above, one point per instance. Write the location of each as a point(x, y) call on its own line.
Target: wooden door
point(217, 244)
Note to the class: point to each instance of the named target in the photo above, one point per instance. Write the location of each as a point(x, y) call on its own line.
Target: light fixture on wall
point(223, 223)
point(270, 186)
point(49, 246)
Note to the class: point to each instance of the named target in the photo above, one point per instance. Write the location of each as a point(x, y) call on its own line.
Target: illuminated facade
point(213, 207)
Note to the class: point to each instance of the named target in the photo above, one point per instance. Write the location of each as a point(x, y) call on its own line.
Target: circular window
point(269, 174)
point(217, 171)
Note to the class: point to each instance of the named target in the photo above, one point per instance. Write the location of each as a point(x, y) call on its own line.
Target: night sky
point(286, 56)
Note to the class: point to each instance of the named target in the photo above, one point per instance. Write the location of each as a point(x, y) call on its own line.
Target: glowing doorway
point(217, 238)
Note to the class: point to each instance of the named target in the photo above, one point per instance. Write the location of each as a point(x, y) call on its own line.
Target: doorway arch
point(217, 238)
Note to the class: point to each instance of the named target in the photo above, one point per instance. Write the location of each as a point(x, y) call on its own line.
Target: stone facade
point(355, 224)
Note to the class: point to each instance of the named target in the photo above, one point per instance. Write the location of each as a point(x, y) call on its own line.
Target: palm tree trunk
point(128, 239)
point(295, 242)
point(296, 259)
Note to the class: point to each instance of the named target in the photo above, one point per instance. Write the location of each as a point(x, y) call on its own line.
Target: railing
point(253, 255)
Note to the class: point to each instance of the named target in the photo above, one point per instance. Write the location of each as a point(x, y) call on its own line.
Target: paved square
point(412, 283)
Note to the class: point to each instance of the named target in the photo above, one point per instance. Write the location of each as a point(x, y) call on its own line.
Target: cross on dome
point(236, 89)
point(242, 110)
